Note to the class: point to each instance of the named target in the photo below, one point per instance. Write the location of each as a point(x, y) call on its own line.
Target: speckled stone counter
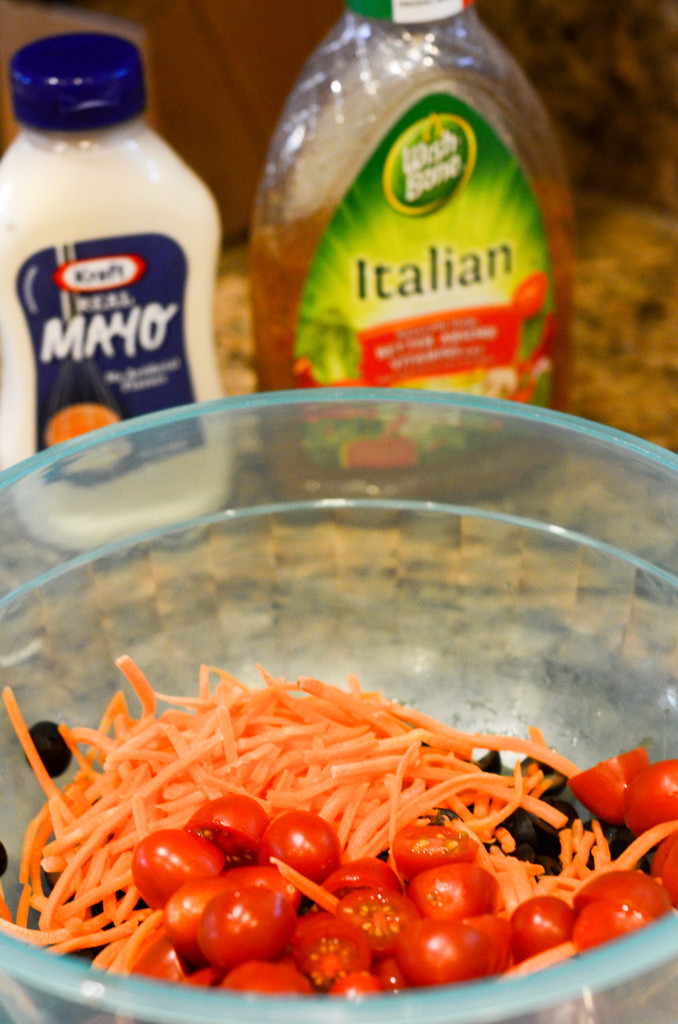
point(625, 327)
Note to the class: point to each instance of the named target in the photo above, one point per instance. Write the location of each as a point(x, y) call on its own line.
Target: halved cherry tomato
point(601, 788)
point(454, 891)
point(363, 873)
point(165, 859)
point(660, 855)
point(356, 984)
point(251, 923)
point(266, 876)
point(627, 888)
point(303, 840)
point(379, 913)
point(538, 924)
point(235, 823)
point(417, 847)
point(436, 952)
point(280, 978)
point(652, 796)
point(160, 959)
point(324, 948)
point(183, 912)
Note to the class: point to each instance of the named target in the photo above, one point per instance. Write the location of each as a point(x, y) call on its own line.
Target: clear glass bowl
point(495, 564)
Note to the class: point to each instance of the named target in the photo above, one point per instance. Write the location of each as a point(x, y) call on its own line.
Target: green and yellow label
point(434, 271)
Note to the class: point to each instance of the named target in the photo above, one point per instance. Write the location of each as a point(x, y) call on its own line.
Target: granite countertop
point(625, 326)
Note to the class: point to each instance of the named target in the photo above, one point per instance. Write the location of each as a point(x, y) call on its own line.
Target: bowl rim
point(517, 411)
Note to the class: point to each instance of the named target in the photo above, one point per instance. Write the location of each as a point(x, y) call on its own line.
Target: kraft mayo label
point(106, 321)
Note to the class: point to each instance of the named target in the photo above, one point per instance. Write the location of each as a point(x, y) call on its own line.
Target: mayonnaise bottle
point(108, 252)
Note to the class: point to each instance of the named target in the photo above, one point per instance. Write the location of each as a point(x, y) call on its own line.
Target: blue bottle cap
point(77, 82)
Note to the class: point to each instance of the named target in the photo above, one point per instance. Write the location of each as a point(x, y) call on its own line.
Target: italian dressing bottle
point(412, 227)
point(108, 249)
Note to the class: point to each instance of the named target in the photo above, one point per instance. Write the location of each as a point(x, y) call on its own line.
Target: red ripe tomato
point(436, 952)
point(356, 984)
point(661, 854)
point(265, 875)
point(303, 840)
point(454, 891)
point(390, 973)
point(665, 867)
point(379, 913)
point(605, 919)
point(279, 978)
point(363, 873)
point(164, 860)
point(183, 912)
point(205, 977)
point(417, 847)
point(498, 930)
point(530, 294)
point(251, 923)
point(601, 788)
point(626, 888)
point(652, 796)
point(540, 923)
point(159, 959)
point(235, 823)
point(324, 948)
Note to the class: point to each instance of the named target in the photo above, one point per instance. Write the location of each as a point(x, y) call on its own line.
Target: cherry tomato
point(601, 788)
point(540, 923)
point(652, 796)
point(303, 840)
point(165, 859)
point(605, 919)
point(626, 888)
point(390, 973)
point(235, 823)
point(279, 978)
point(661, 853)
point(159, 959)
point(437, 952)
point(205, 977)
point(417, 847)
point(363, 873)
point(356, 984)
point(183, 912)
point(454, 891)
point(665, 866)
point(379, 913)
point(252, 923)
point(324, 948)
point(265, 875)
point(498, 930)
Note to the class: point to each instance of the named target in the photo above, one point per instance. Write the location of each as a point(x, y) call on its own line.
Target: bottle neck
point(408, 11)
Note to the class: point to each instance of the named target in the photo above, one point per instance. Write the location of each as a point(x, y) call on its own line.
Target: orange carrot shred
point(306, 886)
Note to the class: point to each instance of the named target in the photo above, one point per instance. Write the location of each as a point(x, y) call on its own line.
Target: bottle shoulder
point(367, 73)
point(106, 181)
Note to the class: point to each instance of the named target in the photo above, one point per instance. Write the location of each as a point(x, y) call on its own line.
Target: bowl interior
point(496, 566)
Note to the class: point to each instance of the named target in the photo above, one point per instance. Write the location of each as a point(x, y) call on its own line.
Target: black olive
point(525, 852)
point(491, 762)
point(443, 816)
point(548, 837)
point(520, 824)
point(551, 865)
point(51, 747)
point(3, 859)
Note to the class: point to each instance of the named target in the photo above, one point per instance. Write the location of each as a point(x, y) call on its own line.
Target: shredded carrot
point(549, 957)
point(307, 887)
point(367, 764)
